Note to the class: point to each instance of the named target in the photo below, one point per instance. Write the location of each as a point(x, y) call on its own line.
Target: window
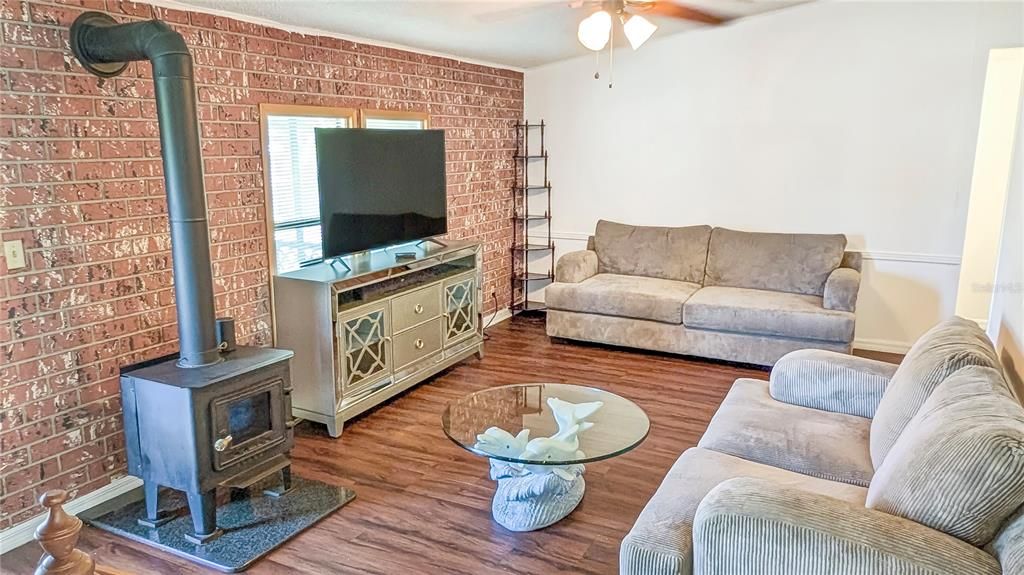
point(388, 120)
point(289, 145)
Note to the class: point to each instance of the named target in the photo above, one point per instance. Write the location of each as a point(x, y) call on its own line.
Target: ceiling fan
point(595, 31)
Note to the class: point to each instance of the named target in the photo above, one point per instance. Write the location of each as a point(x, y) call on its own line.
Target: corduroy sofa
point(715, 293)
point(844, 465)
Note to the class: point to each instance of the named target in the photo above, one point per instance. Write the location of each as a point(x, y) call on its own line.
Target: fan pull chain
point(597, 64)
point(611, 58)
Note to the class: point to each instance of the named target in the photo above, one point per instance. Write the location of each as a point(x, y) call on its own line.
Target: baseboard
point(496, 317)
point(883, 345)
point(22, 533)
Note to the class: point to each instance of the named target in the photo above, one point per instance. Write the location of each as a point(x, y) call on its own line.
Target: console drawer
point(417, 307)
point(417, 343)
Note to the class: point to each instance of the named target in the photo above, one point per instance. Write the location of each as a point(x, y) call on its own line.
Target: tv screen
point(379, 187)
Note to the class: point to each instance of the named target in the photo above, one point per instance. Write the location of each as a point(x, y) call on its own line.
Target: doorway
point(993, 163)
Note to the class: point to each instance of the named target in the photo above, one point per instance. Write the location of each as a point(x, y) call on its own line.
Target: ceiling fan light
point(638, 30)
point(595, 30)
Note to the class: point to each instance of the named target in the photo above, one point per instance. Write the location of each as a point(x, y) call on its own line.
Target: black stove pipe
point(104, 48)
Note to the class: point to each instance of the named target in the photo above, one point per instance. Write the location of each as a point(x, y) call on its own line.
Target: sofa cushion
point(657, 252)
point(958, 467)
point(944, 349)
point(795, 263)
point(661, 540)
point(1008, 544)
point(752, 425)
point(624, 296)
point(830, 381)
point(761, 312)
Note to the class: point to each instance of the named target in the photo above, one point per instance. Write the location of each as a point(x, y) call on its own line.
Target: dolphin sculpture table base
point(526, 501)
point(532, 496)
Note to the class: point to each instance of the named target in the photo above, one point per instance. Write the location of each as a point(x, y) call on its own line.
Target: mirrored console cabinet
point(373, 326)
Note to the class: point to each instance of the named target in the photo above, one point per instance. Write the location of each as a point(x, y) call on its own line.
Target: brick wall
point(82, 186)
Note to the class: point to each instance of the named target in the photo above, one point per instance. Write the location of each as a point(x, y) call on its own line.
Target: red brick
point(99, 170)
point(82, 456)
point(54, 61)
point(25, 35)
point(261, 46)
point(72, 193)
point(89, 128)
point(74, 150)
point(58, 106)
point(86, 196)
point(17, 57)
point(23, 104)
point(31, 475)
point(54, 15)
point(130, 8)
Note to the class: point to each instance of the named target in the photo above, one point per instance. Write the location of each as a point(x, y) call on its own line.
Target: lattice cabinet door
point(364, 348)
point(460, 309)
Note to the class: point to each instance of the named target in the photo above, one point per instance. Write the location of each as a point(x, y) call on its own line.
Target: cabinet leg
point(334, 429)
point(480, 351)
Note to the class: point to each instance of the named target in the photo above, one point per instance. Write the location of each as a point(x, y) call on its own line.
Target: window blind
point(393, 124)
point(294, 193)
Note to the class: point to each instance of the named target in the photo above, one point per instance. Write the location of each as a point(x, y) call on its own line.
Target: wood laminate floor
point(423, 503)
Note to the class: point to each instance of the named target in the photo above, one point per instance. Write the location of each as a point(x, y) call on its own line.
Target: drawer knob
point(418, 308)
point(418, 343)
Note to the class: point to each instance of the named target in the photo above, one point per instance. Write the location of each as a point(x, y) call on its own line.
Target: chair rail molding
point(876, 323)
point(909, 257)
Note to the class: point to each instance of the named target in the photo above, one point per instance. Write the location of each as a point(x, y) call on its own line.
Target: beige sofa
point(716, 293)
point(844, 465)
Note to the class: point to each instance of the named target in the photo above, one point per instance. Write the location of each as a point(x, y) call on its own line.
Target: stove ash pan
point(225, 425)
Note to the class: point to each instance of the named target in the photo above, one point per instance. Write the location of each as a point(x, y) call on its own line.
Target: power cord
point(494, 296)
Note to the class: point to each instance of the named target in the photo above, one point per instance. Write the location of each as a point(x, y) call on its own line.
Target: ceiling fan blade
point(673, 10)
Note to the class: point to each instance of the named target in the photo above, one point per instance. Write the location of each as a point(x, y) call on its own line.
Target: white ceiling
point(510, 33)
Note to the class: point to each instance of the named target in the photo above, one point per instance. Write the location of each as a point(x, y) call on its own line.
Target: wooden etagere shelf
point(528, 218)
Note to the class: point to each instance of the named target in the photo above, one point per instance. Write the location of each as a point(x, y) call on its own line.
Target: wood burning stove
point(212, 415)
point(227, 425)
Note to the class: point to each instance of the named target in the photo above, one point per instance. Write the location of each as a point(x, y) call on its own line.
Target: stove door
point(248, 422)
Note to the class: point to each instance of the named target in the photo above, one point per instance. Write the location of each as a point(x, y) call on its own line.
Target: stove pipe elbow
point(105, 48)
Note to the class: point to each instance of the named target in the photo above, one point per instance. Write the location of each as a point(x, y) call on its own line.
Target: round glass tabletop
point(545, 423)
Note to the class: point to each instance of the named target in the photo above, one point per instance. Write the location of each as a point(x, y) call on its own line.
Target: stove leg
point(203, 507)
point(286, 484)
point(154, 518)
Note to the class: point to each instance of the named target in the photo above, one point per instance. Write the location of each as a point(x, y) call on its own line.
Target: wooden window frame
point(350, 114)
point(365, 114)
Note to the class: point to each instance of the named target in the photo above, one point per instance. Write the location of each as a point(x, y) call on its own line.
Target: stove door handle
point(292, 422)
point(223, 443)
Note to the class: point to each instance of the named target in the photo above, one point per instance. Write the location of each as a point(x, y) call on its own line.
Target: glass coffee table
point(537, 437)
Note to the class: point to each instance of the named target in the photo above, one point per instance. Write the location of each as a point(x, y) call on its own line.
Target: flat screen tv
point(379, 187)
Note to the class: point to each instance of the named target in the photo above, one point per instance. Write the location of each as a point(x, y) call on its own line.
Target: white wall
point(858, 118)
point(993, 159)
point(1006, 321)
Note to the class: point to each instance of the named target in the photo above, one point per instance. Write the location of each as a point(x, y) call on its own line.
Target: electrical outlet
point(14, 251)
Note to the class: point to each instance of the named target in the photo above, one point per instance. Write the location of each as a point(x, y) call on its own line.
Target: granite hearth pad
point(253, 523)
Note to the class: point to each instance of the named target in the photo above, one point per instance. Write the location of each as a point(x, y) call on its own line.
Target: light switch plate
point(14, 251)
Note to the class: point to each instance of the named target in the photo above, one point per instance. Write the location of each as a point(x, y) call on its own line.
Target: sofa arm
point(748, 525)
point(841, 289)
point(830, 381)
point(575, 267)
